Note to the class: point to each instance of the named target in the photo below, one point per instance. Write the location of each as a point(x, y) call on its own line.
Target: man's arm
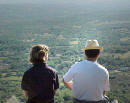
point(107, 86)
point(68, 77)
point(67, 84)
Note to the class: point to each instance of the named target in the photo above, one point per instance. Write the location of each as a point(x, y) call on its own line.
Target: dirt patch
point(61, 37)
point(58, 55)
point(4, 66)
point(74, 42)
point(112, 22)
point(76, 26)
point(116, 71)
point(124, 39)
point(119, 55)
point(125, 55)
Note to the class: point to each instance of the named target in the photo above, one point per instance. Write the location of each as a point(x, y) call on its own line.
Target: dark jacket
point(40, 82)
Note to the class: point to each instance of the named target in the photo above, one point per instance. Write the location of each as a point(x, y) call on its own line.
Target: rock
point(13, 99)
point(115, 101)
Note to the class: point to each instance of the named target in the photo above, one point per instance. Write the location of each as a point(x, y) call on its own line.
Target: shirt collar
point(92, 61)
point(40, 64)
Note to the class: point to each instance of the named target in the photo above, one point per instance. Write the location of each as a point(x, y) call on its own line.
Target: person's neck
point(92, 59)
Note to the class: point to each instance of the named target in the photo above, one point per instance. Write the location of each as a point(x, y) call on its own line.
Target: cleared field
point(124, 39)
point(111, 22)
point(116, 55)
point(77, 26)
point(74, 42)
point(125, 55)
point(58, 55)
point(4, 66)
point(12, 78)
point(61, 37)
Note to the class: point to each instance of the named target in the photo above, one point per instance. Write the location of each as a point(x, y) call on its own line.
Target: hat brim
point(89, 48)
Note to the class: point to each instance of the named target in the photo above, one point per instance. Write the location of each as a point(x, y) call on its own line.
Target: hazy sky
point(94, 3)
point(78, 1)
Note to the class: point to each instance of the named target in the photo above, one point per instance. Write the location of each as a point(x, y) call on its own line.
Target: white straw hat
point(92, 44)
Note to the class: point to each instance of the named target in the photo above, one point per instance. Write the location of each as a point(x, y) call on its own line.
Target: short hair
point(38, 54)
point(92, 53)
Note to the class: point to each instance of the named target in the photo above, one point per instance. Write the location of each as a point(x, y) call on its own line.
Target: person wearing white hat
point(87, 79)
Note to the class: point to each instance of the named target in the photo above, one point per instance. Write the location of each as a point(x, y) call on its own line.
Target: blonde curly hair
point(38, 54)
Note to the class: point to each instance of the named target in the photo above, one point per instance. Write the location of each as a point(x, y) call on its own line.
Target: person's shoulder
point(77, 64)
point(51, 69)
point(102, 68)
point(29, 70)
point(81, 62)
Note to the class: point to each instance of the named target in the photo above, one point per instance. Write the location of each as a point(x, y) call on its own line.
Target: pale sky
point(100, 3)
point(36, 1)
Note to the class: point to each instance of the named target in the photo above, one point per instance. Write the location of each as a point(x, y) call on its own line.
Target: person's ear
point(46, 58)
point(85, 55)
point(98, 55)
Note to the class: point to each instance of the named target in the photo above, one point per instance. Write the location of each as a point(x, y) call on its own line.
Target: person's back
point(40, 81)
point(89, 79)
point(89, 76)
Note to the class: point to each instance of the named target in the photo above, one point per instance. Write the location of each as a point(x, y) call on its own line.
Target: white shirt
point(90, 80)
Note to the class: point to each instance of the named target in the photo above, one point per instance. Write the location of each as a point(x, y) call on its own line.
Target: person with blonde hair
point(87, 79)
point(40, 82)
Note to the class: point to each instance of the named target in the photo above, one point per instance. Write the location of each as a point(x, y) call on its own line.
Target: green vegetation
point(65, 29)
